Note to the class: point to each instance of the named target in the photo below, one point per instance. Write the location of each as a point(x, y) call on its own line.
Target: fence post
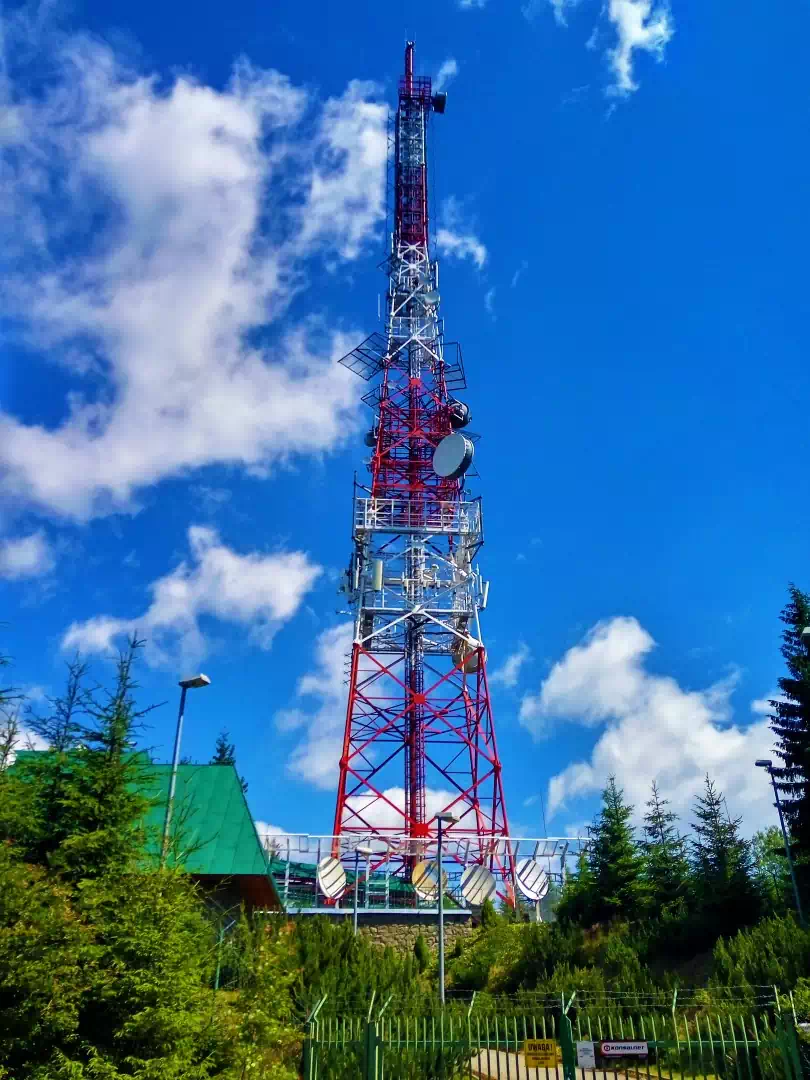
point(309, 1027)
point(371, 1043)
point(790, 1048)
point(569, 1057)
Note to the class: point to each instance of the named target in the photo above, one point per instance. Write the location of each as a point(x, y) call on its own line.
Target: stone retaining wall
point(401, 933)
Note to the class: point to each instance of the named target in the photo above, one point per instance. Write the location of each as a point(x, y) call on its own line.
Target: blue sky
point(193, 208)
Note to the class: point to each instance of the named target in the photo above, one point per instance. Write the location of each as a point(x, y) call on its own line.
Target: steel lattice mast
point(419, 737)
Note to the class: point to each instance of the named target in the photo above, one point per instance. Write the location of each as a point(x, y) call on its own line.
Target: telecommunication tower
point(419, 738)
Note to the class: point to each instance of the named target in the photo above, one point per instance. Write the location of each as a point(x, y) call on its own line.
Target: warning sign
point(541, 1053)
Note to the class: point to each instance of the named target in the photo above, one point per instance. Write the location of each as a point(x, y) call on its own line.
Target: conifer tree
point(666, 863)
point(726, 892)
point(577, 902)
point(225, 754)
point(103, 804)
point(790, 722)
point(617, 863)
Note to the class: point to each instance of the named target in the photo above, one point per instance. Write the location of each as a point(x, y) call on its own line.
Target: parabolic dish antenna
point(532, 879)
point(453, 456)
point(477, 885)
point(331, 878)
point(425, 880)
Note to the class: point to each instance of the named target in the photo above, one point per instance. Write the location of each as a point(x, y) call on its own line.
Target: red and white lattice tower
point(419, 737)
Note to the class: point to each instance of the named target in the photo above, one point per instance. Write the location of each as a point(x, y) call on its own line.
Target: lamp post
point(442, 819)
point(185, 685)
point(366, 852)
point(766, 763)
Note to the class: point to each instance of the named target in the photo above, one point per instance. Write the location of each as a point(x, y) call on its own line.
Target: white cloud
point(454, 237)
point(447, 72)
point(489, 301)
point(257, 591)
point(509, 672)
point(468, 5)
point(650, 727)
point(388, 812)
point(517, 274)
point(25, 556)
point(315, 759)
point(763, 707)
point(531, 9)
point(638, 25)
point(154, 236)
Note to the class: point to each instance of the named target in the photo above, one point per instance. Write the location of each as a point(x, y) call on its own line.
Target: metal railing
point(404, 515)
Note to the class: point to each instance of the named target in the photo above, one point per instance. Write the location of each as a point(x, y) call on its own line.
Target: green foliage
point(724, 885)
point(775, 952)
point(333, 961)
point(618, 867)
point(489, 916)
point(790, 722)
point(771, 871)
point(421, 953)
point(666, 863)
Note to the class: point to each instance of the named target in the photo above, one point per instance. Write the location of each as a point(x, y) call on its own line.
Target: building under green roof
point(213, 835)
point(213, 832)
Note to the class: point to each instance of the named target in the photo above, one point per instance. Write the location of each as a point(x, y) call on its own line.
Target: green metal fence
point(451, 1046)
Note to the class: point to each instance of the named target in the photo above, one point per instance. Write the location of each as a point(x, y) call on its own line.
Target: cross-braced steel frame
point(419, 738)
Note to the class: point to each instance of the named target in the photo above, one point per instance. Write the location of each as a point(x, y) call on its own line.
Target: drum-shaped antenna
point(425, 879)
point(331, 878)
point(477, 885)
point(532, 879)
point(453, 456)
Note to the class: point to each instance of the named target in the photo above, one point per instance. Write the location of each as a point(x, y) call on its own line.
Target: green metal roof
point(210, 819)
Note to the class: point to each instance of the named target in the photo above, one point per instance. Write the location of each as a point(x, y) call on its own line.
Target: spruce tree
point(103, 804)
point(790, 722)
point(666, 863)
point(578, 901)
point(726, 892)
point(616, 861)
point(225, 754)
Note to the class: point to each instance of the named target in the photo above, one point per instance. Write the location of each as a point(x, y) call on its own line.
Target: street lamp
point(766, 763)
point(442, 819)
point(192, 683)
point(366, 852)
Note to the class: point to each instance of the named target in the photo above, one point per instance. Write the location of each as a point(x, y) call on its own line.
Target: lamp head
point(763, 763)
point(447, 819)
point(365, 850)
point(194, 681)
point(805, 635)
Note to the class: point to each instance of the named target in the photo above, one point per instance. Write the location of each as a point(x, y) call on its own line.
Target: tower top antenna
point(409, 67)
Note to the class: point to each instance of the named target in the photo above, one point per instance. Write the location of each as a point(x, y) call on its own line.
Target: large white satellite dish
point(331, 878)
point(532, 879)
point(453, 456)
point(477, 885)
point(425, 879)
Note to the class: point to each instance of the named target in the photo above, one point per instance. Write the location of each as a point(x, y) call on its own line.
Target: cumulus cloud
point(649, 727)
point(154, 235)
point(509, 672)
point(639, 26)
point(447, 72)
point(315, 759)
point(25, 556)
point(257, 591)
point(455, 238)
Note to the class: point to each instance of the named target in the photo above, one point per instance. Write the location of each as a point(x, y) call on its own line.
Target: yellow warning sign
point(541, 1053)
